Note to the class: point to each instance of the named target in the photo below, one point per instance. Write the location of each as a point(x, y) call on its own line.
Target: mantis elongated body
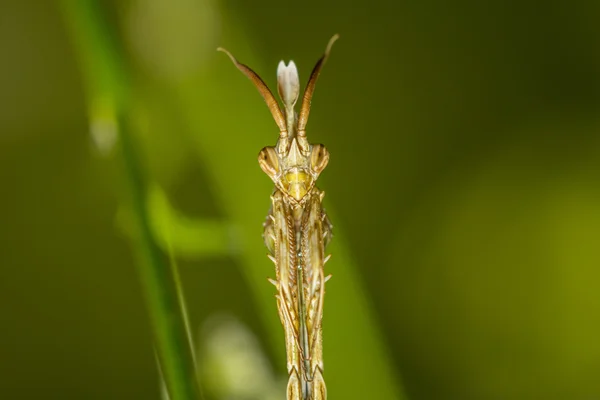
point(297, 229)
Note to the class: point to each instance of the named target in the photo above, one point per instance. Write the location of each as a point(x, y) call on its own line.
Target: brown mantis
point(297, 229)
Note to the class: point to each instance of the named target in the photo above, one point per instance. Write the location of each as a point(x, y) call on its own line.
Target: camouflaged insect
point(297, 229)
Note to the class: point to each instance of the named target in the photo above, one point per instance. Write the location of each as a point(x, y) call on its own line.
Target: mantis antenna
point(264, 91)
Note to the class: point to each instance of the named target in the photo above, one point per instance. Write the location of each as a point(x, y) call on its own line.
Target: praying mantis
point(297, 230)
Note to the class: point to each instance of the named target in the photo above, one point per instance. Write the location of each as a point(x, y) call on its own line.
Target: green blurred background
point(464, 187)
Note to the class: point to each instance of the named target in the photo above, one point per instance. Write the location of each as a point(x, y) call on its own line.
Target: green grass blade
point(106, 88)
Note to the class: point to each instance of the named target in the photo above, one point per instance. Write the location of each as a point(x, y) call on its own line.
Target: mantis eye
point(267, 159)
point(319, 158)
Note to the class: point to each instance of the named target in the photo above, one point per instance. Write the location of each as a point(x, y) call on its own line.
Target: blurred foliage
point(108, 86)
point(233, 366)
point(463, 186)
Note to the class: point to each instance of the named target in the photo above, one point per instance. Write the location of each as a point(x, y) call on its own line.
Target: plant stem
point(161, 290)
point(106, 84)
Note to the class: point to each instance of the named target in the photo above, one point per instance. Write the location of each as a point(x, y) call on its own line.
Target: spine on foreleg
point(294, 387)
point(319, 391)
